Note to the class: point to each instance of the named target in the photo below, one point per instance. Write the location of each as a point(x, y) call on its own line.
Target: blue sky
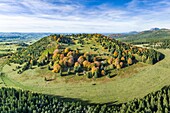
point(90, 16)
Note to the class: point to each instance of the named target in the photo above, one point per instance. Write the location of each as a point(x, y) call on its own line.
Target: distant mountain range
point(152, 35)
point(120, 35)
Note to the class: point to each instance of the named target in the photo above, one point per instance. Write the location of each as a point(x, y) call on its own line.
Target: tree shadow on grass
point(113, 75)
point(84, 102)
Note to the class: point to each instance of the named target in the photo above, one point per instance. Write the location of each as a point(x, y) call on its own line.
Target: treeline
point(128, 53)
point(162, 44)
point(12, 100)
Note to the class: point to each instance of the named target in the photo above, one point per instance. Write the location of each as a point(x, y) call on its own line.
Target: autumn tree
point(70, 61)
point(97, 63)
point(81, 60)
point(76, 66)
point(94, 70)
point(103, 72)
point(56, 51)
point(66, 50)
point(70, 53)
point(110, 60)
point(122, 58)
point(61, 56)
point(65, 60)
point(118, 66)
point(121, 64)
point(117, 61)
point(56, 68)
point(129, 61)
point(61, 62)
point(115, 54)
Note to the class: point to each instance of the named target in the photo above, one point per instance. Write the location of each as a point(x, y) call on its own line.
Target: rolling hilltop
point(92, 55)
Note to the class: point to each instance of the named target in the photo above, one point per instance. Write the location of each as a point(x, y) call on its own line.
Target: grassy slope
point(144, 80)
point(147, 36)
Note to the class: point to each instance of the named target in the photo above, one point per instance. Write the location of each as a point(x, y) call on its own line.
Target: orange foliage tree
point(81, 60)
point(61, 56)
point(97, 63)
point(65, 59)
point(121, 64)
point(70, 53)
point(70, 61)
point(117, 61)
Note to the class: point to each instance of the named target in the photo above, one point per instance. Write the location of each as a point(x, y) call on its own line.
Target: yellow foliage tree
point(110, 60)
point(115, 54)
point(85, 63)
point(94, 69)
point(103, 72)
point(118, 66)
point(66, 50)
point(77, 51)
point(129, 61)
point(56, 68)
point(123, 58)
point(61, 62)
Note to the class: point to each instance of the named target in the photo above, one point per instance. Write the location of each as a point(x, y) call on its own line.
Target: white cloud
point(43, 16)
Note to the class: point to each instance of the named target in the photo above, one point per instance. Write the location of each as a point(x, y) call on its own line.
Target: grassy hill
point(146, 36)
point(106, 80)
point(92, 55)
point(111, 78)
